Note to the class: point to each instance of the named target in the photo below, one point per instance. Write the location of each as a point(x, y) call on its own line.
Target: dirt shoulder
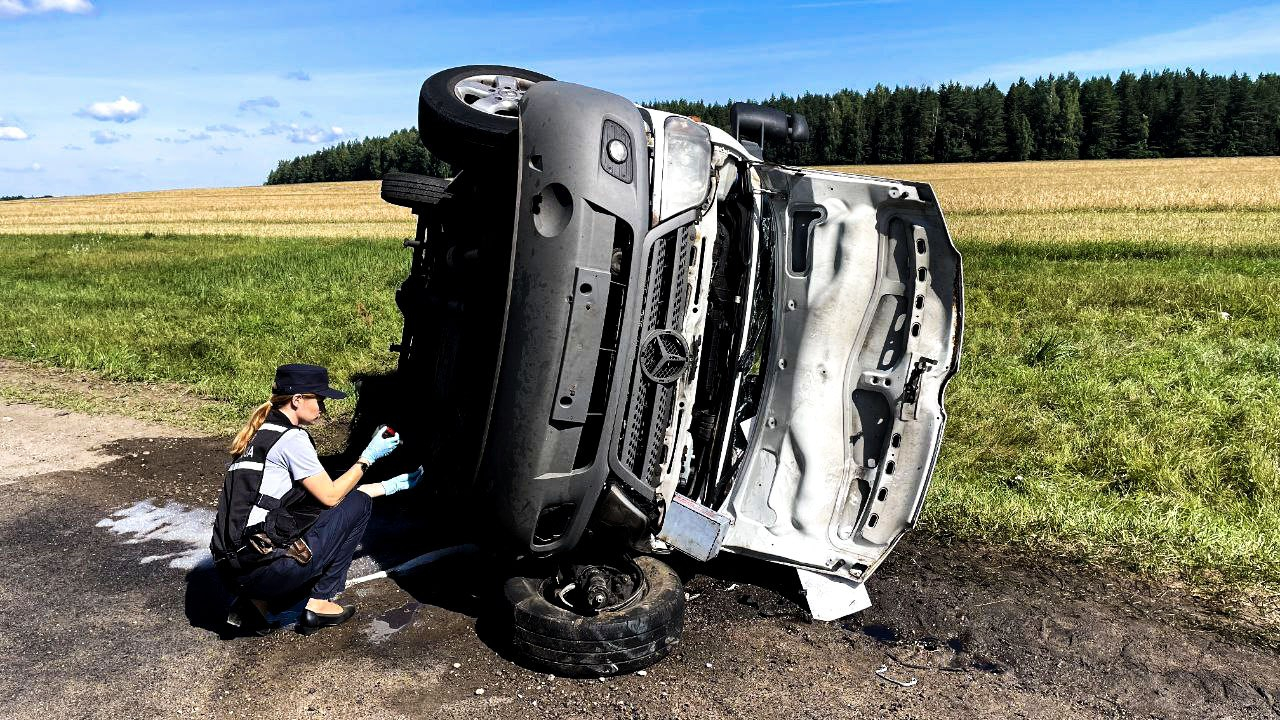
point(105, 597)
point(36, 439)
point(167, 404)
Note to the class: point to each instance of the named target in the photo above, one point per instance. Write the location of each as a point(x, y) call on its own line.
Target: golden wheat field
point(1058, 186)
point(321, 210)
point(1227, 200)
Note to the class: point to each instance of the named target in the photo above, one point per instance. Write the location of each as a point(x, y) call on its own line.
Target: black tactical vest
point(281, 511)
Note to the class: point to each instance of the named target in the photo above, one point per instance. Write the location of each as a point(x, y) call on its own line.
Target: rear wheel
point(470, 114)
point(600, 619)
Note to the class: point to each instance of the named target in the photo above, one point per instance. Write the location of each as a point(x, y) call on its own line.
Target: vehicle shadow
point(434, 514)
point(439, 513)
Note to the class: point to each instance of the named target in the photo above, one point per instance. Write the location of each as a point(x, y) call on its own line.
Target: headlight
point(686, 166)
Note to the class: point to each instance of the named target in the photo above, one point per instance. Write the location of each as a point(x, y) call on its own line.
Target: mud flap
point(831, 597)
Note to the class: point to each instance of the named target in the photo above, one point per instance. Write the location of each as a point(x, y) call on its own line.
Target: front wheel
point(599, 620)
point(471, 113)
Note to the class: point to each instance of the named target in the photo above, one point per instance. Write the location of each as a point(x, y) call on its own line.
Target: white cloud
point(310, 135)
point(258, 103)
point(16, 8)
point(225, 128)
point(71, 6)
point(188, 138)
point(106, 137)
point(316, 135)
point(1243, 33)
point(123, 110)
point(12, 132)
point(300, 75)
point(276, 128)
point(34, 167)
point(223, 149)
point(72, 147)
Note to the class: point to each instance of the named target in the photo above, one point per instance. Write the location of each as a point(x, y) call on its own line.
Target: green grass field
point(1119, 386)
point(215, 313)
point(1119, 402)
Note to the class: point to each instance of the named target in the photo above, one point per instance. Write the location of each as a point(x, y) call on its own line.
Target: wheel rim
point(623, 583)
point(493, 94)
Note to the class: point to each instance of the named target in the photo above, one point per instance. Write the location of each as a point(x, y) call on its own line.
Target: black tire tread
point(413, 191)
point(590, 658)
point(566, 643)
point(529, 637)
point(572, 670)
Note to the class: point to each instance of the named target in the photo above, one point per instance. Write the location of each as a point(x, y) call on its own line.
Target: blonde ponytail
point(258, 417)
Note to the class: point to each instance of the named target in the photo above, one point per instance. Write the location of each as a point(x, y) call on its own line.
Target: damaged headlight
point(686, 166)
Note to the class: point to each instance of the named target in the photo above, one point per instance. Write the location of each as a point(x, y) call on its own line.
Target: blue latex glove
point(402, 482)
point(380, 447)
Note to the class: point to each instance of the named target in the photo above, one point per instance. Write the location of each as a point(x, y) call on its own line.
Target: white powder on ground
point(172, 522)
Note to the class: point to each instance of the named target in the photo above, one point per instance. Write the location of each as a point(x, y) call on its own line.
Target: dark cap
point(299, 379)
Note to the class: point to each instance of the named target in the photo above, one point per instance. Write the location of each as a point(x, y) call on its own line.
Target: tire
point(457, 131)
point(413, 191)
point(551, 637)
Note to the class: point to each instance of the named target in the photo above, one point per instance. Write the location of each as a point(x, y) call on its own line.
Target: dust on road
point(108, 609)
point(36, 439)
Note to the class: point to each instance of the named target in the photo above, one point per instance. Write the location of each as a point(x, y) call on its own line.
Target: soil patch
point(35, 439)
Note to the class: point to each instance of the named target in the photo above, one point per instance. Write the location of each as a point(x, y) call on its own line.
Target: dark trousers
point(332, 540)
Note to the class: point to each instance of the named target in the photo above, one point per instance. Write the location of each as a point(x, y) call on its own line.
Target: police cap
point(299, 379)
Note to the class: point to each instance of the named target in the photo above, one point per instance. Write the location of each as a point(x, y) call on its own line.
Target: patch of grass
point(217, 314)
point(1119, 405)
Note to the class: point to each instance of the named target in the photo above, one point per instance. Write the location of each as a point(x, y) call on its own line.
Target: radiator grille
point(649, 406)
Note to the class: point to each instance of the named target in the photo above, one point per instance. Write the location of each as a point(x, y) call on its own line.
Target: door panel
point(866, 333)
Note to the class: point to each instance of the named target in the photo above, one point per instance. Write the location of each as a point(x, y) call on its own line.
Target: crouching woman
point(284, 528)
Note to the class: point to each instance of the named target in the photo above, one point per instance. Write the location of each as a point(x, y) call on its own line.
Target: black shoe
point(248, 618)
point(312, 621)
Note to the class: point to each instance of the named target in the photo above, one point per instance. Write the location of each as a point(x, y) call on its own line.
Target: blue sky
point(114, 95)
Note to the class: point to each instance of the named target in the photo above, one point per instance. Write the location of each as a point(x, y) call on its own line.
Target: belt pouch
point(299, 551)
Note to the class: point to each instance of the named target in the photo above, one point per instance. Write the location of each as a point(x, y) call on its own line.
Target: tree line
point(1166, 114)
point(367, 159)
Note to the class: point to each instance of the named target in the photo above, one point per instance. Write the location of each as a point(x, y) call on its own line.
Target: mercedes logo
point(663, 356)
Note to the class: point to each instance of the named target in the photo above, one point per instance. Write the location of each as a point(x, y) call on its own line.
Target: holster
point(298, 550)
point(260, 542)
